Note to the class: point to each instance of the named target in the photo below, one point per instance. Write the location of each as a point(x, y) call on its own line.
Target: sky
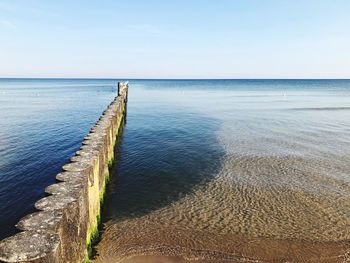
point(175, 39)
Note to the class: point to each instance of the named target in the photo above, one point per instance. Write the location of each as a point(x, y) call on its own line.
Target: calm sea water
point(232, 168)
point(205, 168)
point(42, 124)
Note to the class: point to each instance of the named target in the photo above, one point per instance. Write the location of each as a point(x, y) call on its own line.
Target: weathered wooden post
point(120, 86)
point(67, 221)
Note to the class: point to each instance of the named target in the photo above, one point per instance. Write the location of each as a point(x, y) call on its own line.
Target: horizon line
point(92, 78)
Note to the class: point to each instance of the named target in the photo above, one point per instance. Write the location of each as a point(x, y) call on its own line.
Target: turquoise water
point(203, 165)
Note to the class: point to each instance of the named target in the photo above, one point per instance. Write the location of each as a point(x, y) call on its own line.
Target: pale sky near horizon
point(175, 39)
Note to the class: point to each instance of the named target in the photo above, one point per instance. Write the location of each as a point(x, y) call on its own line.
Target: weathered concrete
point(66, 223)
point(31, 246)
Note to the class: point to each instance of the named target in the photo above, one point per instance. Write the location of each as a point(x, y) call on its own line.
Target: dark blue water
point(42, 124)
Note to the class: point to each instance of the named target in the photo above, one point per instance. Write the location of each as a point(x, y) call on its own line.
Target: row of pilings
point(67, 220)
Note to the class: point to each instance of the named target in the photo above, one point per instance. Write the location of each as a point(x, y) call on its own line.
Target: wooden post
point(120, 86)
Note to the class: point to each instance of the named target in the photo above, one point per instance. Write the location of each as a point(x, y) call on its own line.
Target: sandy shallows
point(168, 259)
point(270, 209)
point(143, 240)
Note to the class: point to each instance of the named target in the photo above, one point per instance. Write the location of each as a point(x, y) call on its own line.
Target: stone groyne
point(66, 223)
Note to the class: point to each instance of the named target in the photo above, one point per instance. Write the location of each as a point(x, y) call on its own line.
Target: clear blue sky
point(175, 39)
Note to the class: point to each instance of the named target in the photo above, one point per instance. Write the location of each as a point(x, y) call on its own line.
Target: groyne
point(66, 223)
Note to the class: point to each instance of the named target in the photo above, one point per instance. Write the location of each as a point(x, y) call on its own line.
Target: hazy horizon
point(126, 79)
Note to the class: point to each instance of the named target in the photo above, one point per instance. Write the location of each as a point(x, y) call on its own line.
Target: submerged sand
point(276, 190)
point(257, 209)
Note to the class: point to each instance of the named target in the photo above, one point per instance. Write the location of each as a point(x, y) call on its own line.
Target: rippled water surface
point(232, 170)
point(42, 124)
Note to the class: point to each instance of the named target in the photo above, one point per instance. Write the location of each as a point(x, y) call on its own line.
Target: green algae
point(103, 194)
point(93, 238)
point(110, 162)
point(94, 235)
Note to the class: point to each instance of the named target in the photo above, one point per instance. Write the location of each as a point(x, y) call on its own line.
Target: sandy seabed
point(245, 214)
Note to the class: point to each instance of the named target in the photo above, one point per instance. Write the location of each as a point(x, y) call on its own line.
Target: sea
point(208, 170)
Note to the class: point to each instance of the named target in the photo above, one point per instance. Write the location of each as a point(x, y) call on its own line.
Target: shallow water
point(230, 171)
point(42, 124)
